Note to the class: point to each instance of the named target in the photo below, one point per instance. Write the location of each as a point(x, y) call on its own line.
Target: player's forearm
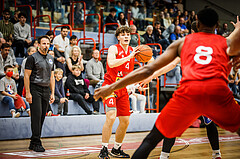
point(234, 37)
point(166, 68)
point(135, 76)
point(117, 62)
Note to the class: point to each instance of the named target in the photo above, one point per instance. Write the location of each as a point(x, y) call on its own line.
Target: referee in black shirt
point(38, 76)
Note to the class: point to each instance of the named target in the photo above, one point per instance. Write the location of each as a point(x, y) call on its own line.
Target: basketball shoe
point(104, 153)
point(118, 153)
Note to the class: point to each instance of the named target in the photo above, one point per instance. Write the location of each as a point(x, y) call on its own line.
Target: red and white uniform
point(120, 99)
point(203, 89)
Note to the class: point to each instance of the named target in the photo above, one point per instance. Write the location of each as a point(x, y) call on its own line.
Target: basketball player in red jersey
point(203, 91)
point(120, 62)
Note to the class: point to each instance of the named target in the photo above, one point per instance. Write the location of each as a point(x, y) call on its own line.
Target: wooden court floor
point(193, 144)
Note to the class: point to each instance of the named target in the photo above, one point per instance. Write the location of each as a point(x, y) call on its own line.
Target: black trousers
point(61, 106)
point(20, 44)
point(82, 102)
point(40, 103)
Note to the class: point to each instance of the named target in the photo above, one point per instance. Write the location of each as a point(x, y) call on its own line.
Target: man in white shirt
point(60, 44)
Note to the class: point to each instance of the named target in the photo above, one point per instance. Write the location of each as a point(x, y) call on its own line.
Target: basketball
point(145, 53)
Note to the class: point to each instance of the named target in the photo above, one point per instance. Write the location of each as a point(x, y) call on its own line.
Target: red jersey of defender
point(116, 73)
point(202, 58)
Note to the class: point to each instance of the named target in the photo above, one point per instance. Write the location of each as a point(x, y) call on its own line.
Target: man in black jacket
point(111, 18)
point(79, 91)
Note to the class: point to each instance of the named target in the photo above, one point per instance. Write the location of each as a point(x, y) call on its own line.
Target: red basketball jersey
point(203, 57)
point(116, 73)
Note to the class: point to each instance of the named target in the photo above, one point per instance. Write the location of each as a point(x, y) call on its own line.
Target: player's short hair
point(123, 29)
point(208, 17)
point(41, 37)
point(58, 70)
point(76, 67)
point(7, 67)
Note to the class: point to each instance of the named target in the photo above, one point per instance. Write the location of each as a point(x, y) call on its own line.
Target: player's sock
point(117, 145)
point(216, 153)
point(164, 155)
point(105, 145)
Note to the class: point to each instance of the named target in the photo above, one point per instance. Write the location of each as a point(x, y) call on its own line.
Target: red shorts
point(120, 101)
point(211, 98)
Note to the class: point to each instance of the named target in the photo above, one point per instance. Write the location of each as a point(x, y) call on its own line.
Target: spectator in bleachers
point(180, 5)
point(135, 97)
point(135, 14)
point(171, 13)
point(1, 37)
point(50, 34)
point(122, 21)
point(176, 72)
point(93, 20)
point(75, 58)
point(78, 15)
point(94, 69)
point(150, 6)
point(15, 19)
point(8, 91)
point(149, 38)
point(179, 14)
point(60, 98)
point(184, 30)
point(73, 42)
point(9, 41)
point(176, 35)
point(224, 31)
point(119, 8)
point(5, 58)
point(167, 21)
point(111, 18)
point(31, 50)
point(166, 34)
point(60, 44)
point(35, 43)
point(6, 27)
point(232, 81)
point(157, 35)
point(160, 19)
point(79, 91)
point(134, 37)
point(22, 35)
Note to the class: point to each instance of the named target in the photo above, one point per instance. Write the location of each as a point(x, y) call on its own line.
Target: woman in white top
point(167, 21)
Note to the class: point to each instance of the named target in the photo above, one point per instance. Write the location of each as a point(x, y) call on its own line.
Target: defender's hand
point(102, 92)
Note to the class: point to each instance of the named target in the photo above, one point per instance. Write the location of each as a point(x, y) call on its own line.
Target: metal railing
point(104, 31)
point(84, 19)
point(88, 39)
point(99, 24)
point(34, 23)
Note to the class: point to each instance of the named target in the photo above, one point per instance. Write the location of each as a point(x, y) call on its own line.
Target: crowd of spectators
point(172, 23)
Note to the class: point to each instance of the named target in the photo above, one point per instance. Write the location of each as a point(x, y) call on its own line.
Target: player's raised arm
point(143, 72)
point(234, 40)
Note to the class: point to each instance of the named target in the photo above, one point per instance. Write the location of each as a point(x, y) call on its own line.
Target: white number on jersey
point(127, 66)
point(205, 53)
point(111, 101)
